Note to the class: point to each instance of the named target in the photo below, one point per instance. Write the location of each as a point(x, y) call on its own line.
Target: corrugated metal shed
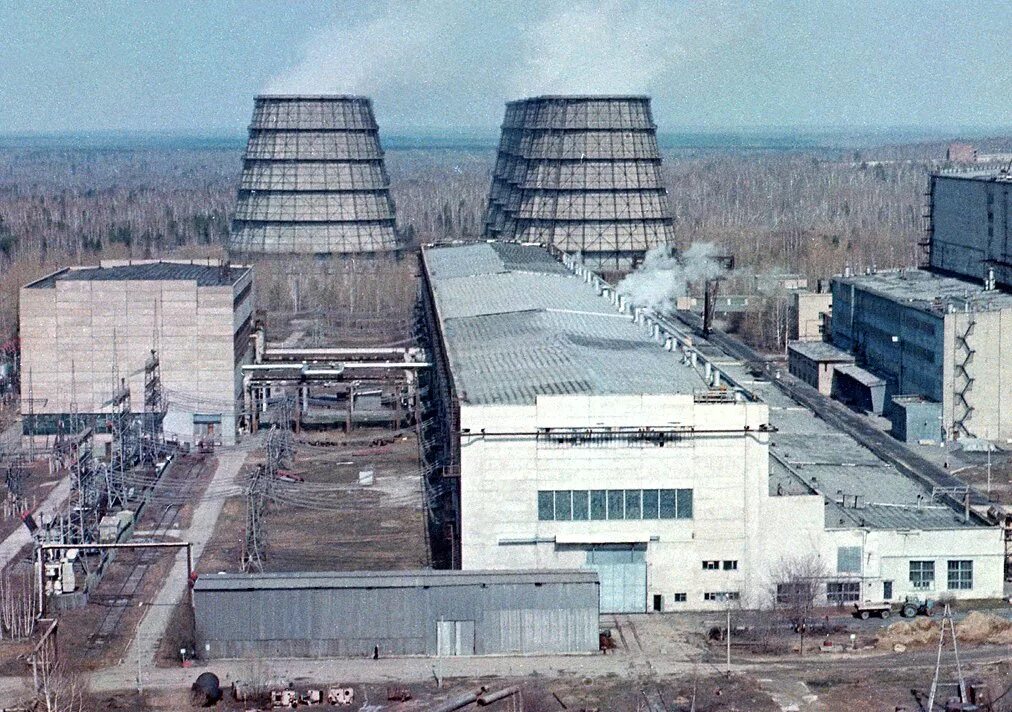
point(401, 613)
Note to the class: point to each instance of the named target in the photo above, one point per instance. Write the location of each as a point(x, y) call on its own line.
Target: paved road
point(141, 653)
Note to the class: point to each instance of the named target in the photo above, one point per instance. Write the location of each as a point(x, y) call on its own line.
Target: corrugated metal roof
point(388, 579)
point(930, 292)
point(203, 275)
point(524, 326)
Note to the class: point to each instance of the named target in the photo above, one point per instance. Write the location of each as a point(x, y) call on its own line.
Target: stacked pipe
point(313, 180)
point(581, 173)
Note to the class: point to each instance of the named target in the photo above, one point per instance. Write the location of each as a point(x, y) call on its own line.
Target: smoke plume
point(445, 62)
point(663, 278)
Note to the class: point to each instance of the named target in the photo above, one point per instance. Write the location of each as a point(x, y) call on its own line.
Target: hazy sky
point(195, 66)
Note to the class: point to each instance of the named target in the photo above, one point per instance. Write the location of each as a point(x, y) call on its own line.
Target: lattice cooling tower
point(313, 180)
point(582, 173)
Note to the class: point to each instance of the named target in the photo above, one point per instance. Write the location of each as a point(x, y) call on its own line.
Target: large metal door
point(455, 637)
point(622, 570)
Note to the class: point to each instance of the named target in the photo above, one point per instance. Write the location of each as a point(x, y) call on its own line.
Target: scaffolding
point(583, 174)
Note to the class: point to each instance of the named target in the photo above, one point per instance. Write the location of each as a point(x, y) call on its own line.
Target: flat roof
point(989, 174)
point(388, 579)
point(809, 456)
point(204, 275)
point(930, 292)
point(821, 351)
point(865, 378)
point(517, 323)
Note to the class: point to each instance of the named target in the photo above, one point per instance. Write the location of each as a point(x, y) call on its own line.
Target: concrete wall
point(319, 622)
point(886, 556)
point(728, 473)
point(77, 332)
point(972, 225)
point(806, 313)
point(986, 411)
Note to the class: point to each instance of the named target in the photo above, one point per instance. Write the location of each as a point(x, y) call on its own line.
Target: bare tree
point(18, 602)
point(796, 588)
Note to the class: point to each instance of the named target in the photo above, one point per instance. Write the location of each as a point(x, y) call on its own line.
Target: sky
point(194, 67)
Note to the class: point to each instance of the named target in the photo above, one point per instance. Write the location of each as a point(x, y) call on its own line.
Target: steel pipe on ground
point(459, 702)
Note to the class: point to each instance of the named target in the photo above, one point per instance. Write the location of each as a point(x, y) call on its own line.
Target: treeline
point(792, 212)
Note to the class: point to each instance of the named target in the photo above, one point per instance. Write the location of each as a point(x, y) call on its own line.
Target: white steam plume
point(445, 62)
point(662, 279)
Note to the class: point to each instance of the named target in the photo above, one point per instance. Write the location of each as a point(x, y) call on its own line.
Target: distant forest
point(798, 211)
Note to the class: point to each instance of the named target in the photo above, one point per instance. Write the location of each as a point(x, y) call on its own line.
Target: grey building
point(943, 338)
point(582, 173)
point(85, 328)
point(401, 613)
point(971, 225)
point(915, 419)
point(313, 180)
point(814, 362)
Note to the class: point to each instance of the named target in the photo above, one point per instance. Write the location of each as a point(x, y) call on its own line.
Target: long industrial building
point(86, 329)
point(397, 613)
point(313, 180)
point(585, 434)
point(970, 230)
point(582, 173)
point(943, 338)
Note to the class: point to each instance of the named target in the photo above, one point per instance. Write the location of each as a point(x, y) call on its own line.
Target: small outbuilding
point(859, 388)
point(397, 613)
point(915, 419)
point(814, 362)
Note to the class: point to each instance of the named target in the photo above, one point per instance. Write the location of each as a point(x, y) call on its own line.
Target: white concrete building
point(583, 436)
point(82, 327)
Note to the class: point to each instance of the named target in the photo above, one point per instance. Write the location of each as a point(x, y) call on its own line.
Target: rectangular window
point(680, 597)
point(667, 507)
point(731, 565)
point(563, 505)
point(581, 505)
point(633, 506)
point(711, 565)
point(598, 504)
point(960, 575)
point(650, 504)
point(721, 596)
point(922, 575)
point(848, 559)
point(546, 506)
point(684, 504)
point(615, 508)
point(843, 591)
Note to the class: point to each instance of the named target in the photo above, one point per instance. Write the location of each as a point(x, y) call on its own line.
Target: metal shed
point(401, 613)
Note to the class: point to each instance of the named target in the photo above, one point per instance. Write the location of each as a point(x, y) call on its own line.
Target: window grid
point(597, 505)
point(922, 575)
point(843, 591)
point(960, 574)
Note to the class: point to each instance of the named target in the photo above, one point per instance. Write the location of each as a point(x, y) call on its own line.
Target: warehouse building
point(397, 613)
point(970, 231)
point(940, 337)
point(86, 329)
point(583, 434)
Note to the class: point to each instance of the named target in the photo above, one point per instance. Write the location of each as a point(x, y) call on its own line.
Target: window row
point(714, 565)
point(583, 505)
point(721, 596)
point(960, 575)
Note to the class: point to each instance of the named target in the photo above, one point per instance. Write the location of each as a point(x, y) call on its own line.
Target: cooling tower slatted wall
point(583, 174)
point(313, 180)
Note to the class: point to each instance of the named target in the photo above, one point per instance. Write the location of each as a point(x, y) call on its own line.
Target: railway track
point(118, 601)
